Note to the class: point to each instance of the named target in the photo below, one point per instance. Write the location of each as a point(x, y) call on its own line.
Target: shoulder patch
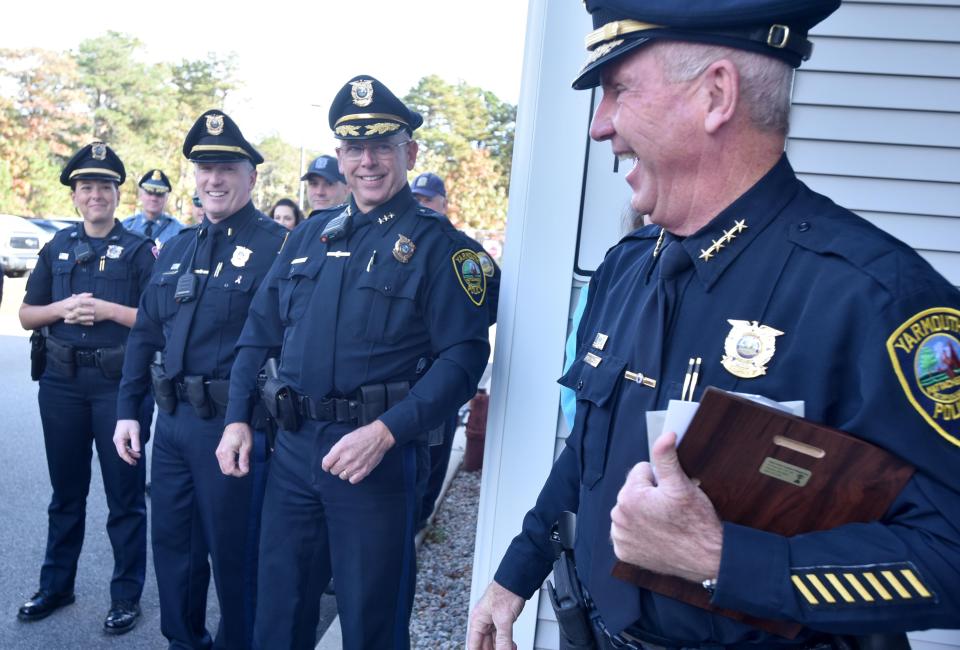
point(486, 264)
point(925, 353)
point(469, 271)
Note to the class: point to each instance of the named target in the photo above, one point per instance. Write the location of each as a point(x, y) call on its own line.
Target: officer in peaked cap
point(326, 186)
point(83, 296)
point(152, 221)
point(192, 313)
point(737, 269)
point(398, 306)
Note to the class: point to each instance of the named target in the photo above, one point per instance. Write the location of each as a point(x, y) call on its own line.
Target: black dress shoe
point(43, 604)
point(122, 617)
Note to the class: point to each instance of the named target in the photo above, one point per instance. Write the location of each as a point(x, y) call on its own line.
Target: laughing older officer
point(193, 311)
point(745, 263)
point(84, 293)
point(382, 315)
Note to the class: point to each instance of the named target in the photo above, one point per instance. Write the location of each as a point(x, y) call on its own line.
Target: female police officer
point(83, 294)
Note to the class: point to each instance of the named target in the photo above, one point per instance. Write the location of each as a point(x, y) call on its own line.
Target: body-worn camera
point(186, 288)
point(336, 228)
point(83, 252)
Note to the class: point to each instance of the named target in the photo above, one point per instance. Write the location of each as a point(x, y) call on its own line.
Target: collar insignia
point(748, 348)
point(214, 124)
point(385, 218)
point(241, 254)
point(404, 248)
point(728, 236)
point(361, 92)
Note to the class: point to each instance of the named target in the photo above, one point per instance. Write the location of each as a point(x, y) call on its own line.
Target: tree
point(279, 175)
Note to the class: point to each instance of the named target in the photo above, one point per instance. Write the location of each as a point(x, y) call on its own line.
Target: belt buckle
point(86, 357)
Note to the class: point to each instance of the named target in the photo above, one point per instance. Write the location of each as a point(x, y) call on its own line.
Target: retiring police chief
point(781, 293)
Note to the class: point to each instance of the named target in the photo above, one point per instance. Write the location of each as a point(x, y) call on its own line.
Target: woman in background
point(286, 213)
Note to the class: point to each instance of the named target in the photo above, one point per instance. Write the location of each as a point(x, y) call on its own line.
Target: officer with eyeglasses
point(381, 313)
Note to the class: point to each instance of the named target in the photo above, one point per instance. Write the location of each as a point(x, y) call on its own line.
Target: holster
point(435, 436)
point(110, 361)
point(279, 402)
point(38, 354)
point(566, 595)
point(60, 357)
point(164, 391)
point(195, 394)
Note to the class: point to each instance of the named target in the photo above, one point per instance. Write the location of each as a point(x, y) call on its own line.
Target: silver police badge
point(362, 92)
point(114, 252)
point(748, 348)
point(214, 124)
point(241, 255)
point(98, 151)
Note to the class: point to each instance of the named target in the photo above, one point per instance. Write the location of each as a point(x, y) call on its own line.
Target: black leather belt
point(328, 409)
point(86, 357)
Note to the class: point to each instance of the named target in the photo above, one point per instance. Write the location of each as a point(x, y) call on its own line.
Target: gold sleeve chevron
point(869, 585)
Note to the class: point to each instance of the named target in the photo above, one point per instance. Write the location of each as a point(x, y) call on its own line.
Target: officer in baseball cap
point(326, 186)
point(428, 188)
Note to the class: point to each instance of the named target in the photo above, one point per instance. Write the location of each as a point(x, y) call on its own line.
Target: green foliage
point(466, 138)
point(279, 175)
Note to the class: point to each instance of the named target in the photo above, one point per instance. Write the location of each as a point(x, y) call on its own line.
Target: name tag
point(299, 260)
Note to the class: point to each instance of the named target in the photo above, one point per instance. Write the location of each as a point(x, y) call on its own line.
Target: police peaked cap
point(327, 167)
point(214, 137)
point(96, 161)
point(365, 108)
point(772, 27)
point(155, 182)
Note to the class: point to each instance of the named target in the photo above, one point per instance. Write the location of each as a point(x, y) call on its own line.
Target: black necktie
point(177, 343)
point(148, 230)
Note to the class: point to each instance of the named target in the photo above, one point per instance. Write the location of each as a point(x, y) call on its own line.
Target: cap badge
point(241, 255)
point(403, 249)
point(215, 124)
point(925, 353)
point(748, 348)
point(156, 175)
point(114, 251)
point(98, 151)
point(469, 272)
point(362, 92)
point(421, 181)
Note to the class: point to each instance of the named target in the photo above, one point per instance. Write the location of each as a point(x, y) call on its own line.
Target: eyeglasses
point(379, 150)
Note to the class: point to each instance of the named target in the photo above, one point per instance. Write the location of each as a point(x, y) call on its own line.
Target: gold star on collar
point(385, 218)
point(728, 236)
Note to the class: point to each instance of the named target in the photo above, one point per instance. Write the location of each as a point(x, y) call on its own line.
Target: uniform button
point(388, 288)
point(803, 227)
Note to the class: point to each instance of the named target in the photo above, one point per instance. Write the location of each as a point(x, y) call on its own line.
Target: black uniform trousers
point(196, 511)
point(75, 412)
point(439, 460)
point(362, 535)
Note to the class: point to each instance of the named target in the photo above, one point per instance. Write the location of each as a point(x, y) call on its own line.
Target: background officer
point(739, 269)
point(326, 186)
point(193, 310)
point(381, 312)
point(429, 190)
point(152, 221)
point(84, 292)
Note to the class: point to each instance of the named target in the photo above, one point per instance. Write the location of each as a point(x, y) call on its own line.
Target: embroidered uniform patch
point(469, 272)
point(486, 264)
point(925, 353)
point(861, 586)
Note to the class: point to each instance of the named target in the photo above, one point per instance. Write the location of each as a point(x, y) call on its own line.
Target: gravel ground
point(445, 568)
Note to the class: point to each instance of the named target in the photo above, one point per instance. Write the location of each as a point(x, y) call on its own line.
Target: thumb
point(135, 440)
point(664, 458)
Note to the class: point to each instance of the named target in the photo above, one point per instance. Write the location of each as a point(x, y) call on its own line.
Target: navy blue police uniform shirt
point(118, 272)
point(232, 259)
point(848, 319)
point(366, 309)
point(490, 268)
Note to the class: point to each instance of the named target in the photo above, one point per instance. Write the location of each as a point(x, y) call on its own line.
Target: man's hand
point(666, 524)
point(233, 452)
point(357, 454)
point(492, 619)
point(126, 438)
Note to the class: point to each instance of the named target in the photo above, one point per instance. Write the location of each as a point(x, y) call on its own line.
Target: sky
point(291, 61)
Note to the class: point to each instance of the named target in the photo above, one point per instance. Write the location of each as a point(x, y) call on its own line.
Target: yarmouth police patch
point(469, 271)
point(925, 352)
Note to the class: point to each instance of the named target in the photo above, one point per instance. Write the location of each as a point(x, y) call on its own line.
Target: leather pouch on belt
point(197, 396)
point(60, 357)
point(110, 361)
